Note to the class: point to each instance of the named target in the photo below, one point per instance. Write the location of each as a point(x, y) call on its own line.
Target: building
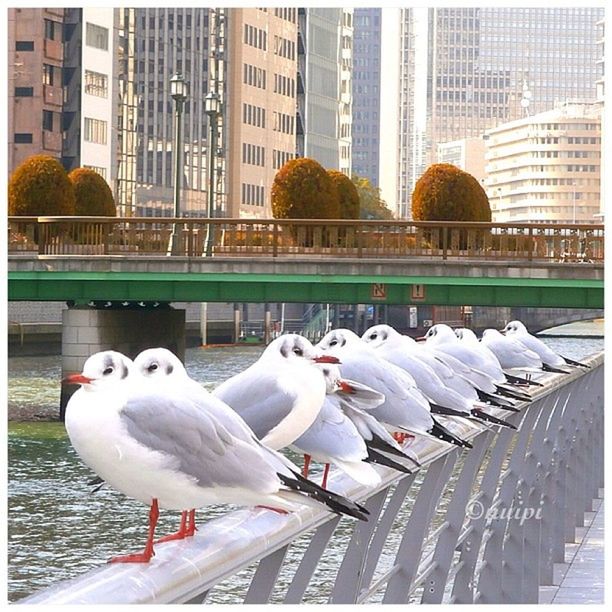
point(465, 70)
point(546, 167)
point(366, 92)
point(262, 71)
point(324, 51)
point(467, 154)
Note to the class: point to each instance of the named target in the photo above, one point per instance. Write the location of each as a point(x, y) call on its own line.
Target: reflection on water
point(57, 529)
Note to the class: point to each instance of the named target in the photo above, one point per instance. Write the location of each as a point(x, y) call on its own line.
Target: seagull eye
point(298, 351)
point(108, 371)
point(374, 336)
point(152, 367)
point(333, 343)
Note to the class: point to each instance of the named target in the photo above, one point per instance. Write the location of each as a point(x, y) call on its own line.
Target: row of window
point(256, 37)
point(583, 140)
point(252, 75)
point(253, 154)
point(96, 84)
point(95, 130)
point(253, 115)
point(253, 195)
point(283, 123)
point(284, 47)
point(280, 158)
point(566, 154)
point(96, 36)
point(284, 85)
point(289, 14)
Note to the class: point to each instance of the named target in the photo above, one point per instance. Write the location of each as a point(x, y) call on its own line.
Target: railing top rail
point(341, 222)
point(180, 571)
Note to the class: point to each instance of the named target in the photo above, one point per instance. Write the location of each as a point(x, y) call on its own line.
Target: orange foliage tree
point(347, 194)
point(94, 197)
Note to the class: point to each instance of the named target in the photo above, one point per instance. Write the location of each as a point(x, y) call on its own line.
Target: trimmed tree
point(40, 187)
point(94, 197)
point(302, 189)
point(446, 193)
point(347, 194)
point(371, 205)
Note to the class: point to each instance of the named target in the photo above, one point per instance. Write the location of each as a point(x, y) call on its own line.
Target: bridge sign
point(417, 293)
point(379, 291)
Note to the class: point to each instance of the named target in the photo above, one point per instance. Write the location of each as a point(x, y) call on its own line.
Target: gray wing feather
point(197, 443)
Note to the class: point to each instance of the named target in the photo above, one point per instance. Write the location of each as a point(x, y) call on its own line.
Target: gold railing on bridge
point(306, 237)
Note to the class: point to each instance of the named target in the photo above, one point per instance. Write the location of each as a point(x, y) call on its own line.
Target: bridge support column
point(267, 323)
point(236, 323)
point(86, 331)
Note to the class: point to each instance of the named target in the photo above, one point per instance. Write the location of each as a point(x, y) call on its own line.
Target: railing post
point(359, 242)
point(444, 241)
point(275, 234)
point(42, 237)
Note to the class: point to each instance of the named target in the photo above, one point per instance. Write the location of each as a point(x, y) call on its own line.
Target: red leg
point(145, 556)
point(191, 526)
point(306, 466)
point(277, 510)
point(180, 534)
point(325, 473)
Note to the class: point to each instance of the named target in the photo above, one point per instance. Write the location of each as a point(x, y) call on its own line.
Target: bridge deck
point(580, 580)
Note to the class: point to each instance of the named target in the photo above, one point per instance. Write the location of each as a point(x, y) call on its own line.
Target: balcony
point(52, 141)
point(53, 95)
point(54, 50)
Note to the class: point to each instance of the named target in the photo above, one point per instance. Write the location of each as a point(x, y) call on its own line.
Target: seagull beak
point(77, 379)
point(421, 338)
point(326, 359)
point(502, 331)
point(346, 388)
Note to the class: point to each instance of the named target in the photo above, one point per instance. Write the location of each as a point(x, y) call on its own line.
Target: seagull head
point(465, 334)
point(440, 333)
point(294, 347)
point(101, 371)
point(339, 338)
point(158, 363)
point(378, 335)
point(333, 379)
point(514, 327)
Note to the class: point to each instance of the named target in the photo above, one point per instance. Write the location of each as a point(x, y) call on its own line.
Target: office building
point(467, 154)
point(465, 70)
point(546, 167)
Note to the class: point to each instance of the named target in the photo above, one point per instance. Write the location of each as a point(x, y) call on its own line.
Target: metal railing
point(307, 237)
point(484, 525)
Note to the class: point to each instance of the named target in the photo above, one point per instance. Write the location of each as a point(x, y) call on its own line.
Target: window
point(47, 120)
point(48, 74)
point(24, 45)
point(95, 131)
point(96, 36)
point(24, 92)
point(23, 138)
point(96, 84)
point(51, 29)
point(101, 171)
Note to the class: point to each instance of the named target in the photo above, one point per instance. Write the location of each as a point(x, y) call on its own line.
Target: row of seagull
point(150, 431)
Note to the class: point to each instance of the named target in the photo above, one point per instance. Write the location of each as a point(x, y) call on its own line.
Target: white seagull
point(551, 360)
point(170, 450)
point(511, 353)
point(405, 407)
point(280, 395)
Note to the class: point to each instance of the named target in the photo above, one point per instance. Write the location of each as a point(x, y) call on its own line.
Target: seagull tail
point(519, 380)
point(489, 418)
point(382, 445)
point(336, 503)
point(513, 393)
point(439, 431)
point(549, 368)
point(376, 457)
point(359, 471)
point(496, 400)
point(437, 409)
point(575, 363)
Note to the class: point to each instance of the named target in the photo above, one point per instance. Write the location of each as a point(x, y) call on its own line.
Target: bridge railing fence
point(478, 526)
point(305, 237)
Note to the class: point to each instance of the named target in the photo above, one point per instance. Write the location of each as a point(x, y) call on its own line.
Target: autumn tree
point(40, 187)
point(94, 197)
point(302, 189)
point(371, 205)
point(347, 195)
point(446, 193)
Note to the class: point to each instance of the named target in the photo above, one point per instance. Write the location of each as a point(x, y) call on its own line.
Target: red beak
point(346, 388)
point(421, 339)
point(77, 379)
point(326, 359)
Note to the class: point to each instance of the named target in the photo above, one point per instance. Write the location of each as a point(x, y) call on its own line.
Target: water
point(57, 529)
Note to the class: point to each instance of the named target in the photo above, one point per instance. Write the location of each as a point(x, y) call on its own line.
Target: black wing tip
point(439, 431)
point(489, 418)
point(548, 368)
point(446, 411)
point(379, 458)
point(573, 362)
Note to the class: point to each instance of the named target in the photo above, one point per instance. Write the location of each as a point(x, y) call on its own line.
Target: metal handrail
point(554, 461)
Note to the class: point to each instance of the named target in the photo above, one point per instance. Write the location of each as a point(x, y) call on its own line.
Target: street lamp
point(178, 91)
point(212, 107)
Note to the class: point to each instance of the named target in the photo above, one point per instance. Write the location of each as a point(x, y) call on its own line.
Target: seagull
point(443, 399)
point(170, 449)
point(405, 407)
point(280, 395)
point(549, 358)
point(510, 352)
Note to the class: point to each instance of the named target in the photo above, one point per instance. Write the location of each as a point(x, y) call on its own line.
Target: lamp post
point(212, 107)
point(178, 91)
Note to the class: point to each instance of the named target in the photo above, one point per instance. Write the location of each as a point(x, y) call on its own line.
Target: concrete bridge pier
point(86, 331)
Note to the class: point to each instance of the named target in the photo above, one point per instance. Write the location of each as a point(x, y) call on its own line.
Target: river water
point(57, 529)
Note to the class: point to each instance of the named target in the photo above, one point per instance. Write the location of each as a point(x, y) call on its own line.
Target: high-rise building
point(262, 71)
point(546, 167)
point(324, 51)
point(61, 94)
point(366, 92)
point(467, 154)
point(464, 70)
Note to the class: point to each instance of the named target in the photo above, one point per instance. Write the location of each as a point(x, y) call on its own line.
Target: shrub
point(347, 195)
point(371, 205)
point(302, 189)
point(446, 193)
point(40, 187)
point(93, 196)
